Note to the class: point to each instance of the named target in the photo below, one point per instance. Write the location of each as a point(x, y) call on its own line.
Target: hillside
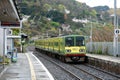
point(55, 17)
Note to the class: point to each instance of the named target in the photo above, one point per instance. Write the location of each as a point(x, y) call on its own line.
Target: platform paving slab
point(18, 70)
point(23, 69)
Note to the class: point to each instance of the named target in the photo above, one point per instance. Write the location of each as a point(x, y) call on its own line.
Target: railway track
point(63, 68)
point(76, 77)
point(96, 77)
point(76, 69)
point(117, 76)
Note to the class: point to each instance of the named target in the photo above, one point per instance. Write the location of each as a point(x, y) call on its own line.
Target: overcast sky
point(92, 3)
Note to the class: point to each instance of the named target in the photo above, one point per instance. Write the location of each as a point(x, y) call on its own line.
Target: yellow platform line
point(33, 77)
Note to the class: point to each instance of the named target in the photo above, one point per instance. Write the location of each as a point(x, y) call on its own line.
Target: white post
point(59, 32)
point(6, 42)
point(4, 29)
point(20, 35)
point(115, 35)
point(117, 38)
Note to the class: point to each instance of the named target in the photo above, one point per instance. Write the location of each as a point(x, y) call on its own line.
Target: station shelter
point(9, 18)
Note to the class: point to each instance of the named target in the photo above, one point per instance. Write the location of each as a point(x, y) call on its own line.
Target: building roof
point(13, 37)
point(9, 11)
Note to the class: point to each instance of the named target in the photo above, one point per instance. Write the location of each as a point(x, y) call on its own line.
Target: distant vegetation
point(54, 17)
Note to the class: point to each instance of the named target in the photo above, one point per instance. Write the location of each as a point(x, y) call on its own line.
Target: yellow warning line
point(33, 77)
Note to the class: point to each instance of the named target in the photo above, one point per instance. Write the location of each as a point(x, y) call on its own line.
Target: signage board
point(10, 25)
point(117, 31)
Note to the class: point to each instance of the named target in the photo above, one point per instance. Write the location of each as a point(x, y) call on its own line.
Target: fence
point(105, 48)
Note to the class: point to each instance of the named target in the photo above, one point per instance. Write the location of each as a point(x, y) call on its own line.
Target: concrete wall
point(106, 65)
point(3, 42)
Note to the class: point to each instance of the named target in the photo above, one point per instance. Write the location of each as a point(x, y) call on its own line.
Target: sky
point(93, 3)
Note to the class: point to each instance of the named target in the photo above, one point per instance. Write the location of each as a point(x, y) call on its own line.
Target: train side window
point(56, 43)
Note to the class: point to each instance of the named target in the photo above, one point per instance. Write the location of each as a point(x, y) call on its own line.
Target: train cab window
point(80, 41)
point(69, 41)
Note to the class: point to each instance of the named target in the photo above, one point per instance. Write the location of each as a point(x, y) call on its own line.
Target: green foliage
point(15, 31)
point(99, 52)
point(93, 13)
point(61, 8)
point(16, 43)
point(47, 7)
point(75, 8)
point(48, 15)
point(55, 24)
point(56, 16)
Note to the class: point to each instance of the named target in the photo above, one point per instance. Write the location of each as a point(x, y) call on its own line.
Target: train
point(66, 48)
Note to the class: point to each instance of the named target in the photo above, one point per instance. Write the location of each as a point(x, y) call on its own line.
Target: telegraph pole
point(115, 46)
point(91, 36)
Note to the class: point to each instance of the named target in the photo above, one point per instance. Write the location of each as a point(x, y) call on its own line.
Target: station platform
point(27, 67)
point(108, 63)
point(105, 57)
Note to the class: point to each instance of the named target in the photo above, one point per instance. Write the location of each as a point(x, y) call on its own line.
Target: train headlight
point(68, 50)
point(82, 50)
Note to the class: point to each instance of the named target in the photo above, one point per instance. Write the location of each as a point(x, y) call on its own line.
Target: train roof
point(61, 36)
point(71, 35)
point(52, 38)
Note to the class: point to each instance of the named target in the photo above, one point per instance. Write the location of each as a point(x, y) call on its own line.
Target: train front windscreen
point(69, 41)
point(75, 41)
point(80, 41)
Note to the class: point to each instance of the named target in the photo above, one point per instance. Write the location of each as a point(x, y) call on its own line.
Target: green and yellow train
point(67, 48)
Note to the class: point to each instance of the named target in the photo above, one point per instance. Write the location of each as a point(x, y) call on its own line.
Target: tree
point(61, 8)
point(93, 13)
point(47, 7)
point(56, 16)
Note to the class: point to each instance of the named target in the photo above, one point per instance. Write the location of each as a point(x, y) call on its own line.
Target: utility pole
point(115, 46)
point(117, 37)
point(91, 36)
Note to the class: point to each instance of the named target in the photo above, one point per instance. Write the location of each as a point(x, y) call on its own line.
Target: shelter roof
point(9, 11)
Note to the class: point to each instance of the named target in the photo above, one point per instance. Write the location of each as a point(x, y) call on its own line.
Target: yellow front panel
point(75, 49)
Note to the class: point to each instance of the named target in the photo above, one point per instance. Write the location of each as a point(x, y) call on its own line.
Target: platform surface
point(27, 67)
point(105, 57)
